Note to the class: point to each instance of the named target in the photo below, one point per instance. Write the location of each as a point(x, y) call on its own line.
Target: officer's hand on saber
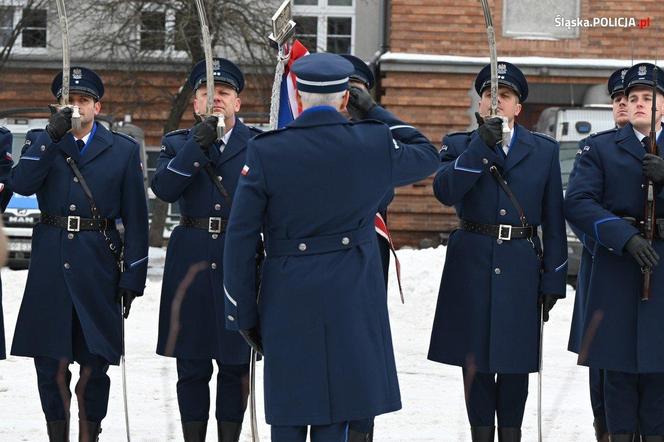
point(641, 250)
point(125, 296)
point(59, 124)
point(490, 130)
point(653, 168)
point(360, 103)
point(547, 302)
point(253, 338)
point(205, 132)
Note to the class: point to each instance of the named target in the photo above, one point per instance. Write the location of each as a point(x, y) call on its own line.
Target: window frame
point(322, 11)
point(519, 35)
point(18, 6)
point(169, 31)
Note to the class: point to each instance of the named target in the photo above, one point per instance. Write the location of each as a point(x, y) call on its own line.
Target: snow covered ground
point(432, 394)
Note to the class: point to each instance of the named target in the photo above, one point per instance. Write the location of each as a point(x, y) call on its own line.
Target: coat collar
point(101, 140)
point(318, 116)
point(522, 144)
point(626, 139)
point(236, 143)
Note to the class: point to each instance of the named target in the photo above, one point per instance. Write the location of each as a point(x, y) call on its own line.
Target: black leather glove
point(126, 297)
point(59, 124)
point(642, 251)
point(253, 338)
point(653, 168)
point(547, 302)
point(360, 103)
point(205, 132)
point(491, 130)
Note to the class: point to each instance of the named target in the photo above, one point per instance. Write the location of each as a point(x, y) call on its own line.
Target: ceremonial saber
point(209, 71)
point(539, 376)
point(283, 31)
point(64, 97)
point(493, 61)
point(123, 367)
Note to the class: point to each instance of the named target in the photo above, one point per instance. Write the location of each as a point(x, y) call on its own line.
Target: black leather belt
point(213, 224)
point(76, 223)
point(505, 232)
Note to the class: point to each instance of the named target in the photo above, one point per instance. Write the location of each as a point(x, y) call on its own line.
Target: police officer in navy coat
point(191, 317)
point(605, 200)
point(71, 309)
point(5, 195)
point(313, 188)
point(497, 270)
point(616, 91)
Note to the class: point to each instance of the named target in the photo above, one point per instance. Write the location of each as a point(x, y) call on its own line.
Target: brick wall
point(146, 96)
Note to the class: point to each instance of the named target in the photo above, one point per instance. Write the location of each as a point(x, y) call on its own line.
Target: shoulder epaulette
point(461, 132)
point(177, 132)
point(544, 136)
point(270, 132)
point(127, 136)
point(604, 132)
point(4, 130)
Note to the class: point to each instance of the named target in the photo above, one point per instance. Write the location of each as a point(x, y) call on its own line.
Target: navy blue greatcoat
point(5, 195)
point(198, 332)
point(77, 270)
point(314, 188)
point(487, 315)
point(621, 332)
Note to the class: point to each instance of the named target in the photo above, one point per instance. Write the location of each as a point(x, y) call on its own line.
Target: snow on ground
point(432, 393)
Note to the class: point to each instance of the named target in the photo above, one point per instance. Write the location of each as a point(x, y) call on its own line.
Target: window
point(161, 29)
point(33, 34)
point(539, 19)
point(325, 25)
point(6, 24)
point(153, 30)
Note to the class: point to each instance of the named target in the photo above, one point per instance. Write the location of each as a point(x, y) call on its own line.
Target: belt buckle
point(507, 237)
point(73, 223)
point(214, 224)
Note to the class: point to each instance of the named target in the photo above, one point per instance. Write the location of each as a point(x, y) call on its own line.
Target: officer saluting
point(314, 188)
point(79, 268)
point(616, 91)
point(201, 173)
point(5, 195)
point(605, 200)
point(487, 317)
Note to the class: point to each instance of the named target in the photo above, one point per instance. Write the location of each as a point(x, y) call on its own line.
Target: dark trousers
point(53, 378)
point(634, 402)
point(596, 379)
point(362, 426)
point(194, 392)
point(489, 395)
point(319, 433)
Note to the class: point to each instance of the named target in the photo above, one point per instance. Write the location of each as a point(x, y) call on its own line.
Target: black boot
point(88, 431)
point(194, 431)
point(622, 437)
point(482, 434)
point(601, 433)
point(509, 434)
point(356, 436)
point(228, 431)
point(58, 431)
point(652, 438)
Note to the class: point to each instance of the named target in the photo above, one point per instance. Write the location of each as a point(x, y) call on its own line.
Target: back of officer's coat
point(191, 317)
point(76, 270)
point(620, 332)
point(323, 316)
point(5, 195)
point(487, 314)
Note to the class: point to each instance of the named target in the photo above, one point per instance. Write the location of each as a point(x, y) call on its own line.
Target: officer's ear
point(97, 107)
point(298, 98)
point(518, 107)
point(344, 101)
